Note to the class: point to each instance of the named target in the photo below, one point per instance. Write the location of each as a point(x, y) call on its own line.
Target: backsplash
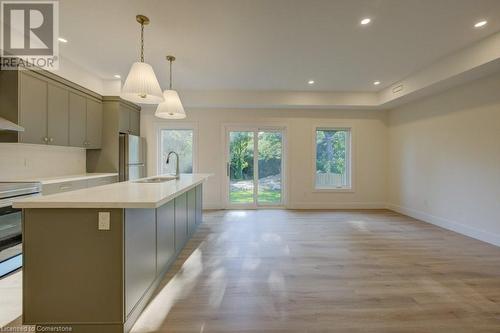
point(19, 161)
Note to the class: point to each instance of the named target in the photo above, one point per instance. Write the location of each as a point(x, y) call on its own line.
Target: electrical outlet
point(104, 221)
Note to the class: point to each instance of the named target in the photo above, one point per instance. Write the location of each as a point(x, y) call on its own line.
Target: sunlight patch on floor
point(179, 287)
point(11, 298)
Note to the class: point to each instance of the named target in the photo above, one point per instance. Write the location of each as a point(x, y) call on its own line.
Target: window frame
point(265, 125)
point(350, 165)
point(176, 126)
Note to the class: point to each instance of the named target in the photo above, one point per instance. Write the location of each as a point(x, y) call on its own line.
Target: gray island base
point(81, 272)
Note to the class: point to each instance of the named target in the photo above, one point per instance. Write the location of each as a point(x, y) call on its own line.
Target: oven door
point(10, 239)
point(10, 226)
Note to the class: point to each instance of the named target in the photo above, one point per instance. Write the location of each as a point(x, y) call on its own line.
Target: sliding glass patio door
point(254, 167)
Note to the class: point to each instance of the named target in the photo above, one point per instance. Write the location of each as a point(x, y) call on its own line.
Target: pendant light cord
point(142, 42)
point(170, 87)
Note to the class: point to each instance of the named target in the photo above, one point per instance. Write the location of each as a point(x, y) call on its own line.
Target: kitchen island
point(93, 257)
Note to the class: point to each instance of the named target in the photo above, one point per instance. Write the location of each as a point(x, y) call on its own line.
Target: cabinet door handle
point(51, 139)
point(45, 139)
point(63, 187)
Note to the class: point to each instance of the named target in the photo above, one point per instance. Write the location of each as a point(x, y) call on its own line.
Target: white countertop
point(67, 178)
point(118, 195)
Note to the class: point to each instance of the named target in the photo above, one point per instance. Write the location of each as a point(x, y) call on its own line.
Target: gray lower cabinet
point(102, 181)
point(152, 240)
point(180, 221)
point(63, 187)
point(165, 235)
point(66, 186)
point(72, 272)
point(191, 211)
point(98, 280)
point(140, 254)
point(199, 204)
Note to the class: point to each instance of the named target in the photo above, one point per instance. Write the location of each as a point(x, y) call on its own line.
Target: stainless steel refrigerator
point(132, 157)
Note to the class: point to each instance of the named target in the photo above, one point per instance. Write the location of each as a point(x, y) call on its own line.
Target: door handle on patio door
point(227, 169)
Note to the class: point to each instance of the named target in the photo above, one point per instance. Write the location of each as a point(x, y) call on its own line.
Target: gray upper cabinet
point(43, 110)
point(135, 122)
point(77, 120)
point(94, 124)
point(124, 125)
point(85, 122)
point(130, 120)
point(57, 115)
point(51, 109)
point(33, 109)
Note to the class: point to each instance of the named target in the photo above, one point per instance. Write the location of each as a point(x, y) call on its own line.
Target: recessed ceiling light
point(376, 83)
point(365, 21)
point(480, 24)
point(62, 40)
point(117, 76)
point(310, 82)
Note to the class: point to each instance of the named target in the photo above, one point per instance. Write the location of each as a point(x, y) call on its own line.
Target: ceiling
point(273, 44)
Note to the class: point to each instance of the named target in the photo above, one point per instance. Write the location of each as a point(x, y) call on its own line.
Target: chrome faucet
point(177, 174)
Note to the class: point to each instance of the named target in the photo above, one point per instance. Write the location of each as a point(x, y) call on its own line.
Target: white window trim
point(164, 125)
point(352, 153)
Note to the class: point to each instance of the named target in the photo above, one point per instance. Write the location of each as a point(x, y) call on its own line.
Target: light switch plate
point(104, 221)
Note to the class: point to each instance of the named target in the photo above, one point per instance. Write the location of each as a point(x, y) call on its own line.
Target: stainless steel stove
point(10, 223)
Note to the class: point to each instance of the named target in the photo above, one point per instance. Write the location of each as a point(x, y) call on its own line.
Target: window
point(333, 158)
point(180, 141)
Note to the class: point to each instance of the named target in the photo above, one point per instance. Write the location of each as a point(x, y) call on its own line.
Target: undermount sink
point(157, 179)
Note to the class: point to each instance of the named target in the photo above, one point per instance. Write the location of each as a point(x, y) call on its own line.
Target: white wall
point(25, 161)
point(86, 78)
point(445, 159)
point(370, 142)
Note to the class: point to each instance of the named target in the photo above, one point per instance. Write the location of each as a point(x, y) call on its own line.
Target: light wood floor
point(303, 271)
point(312, 271)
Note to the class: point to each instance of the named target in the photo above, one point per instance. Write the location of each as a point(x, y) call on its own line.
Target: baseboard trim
point(212, 206)
point(313, 205)
point(336, 205)
point(447, 224)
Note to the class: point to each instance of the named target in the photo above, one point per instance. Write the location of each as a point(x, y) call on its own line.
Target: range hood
point(6, 125)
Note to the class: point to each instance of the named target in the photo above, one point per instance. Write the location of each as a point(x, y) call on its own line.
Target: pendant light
point(172, 107)
point(141, 85)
